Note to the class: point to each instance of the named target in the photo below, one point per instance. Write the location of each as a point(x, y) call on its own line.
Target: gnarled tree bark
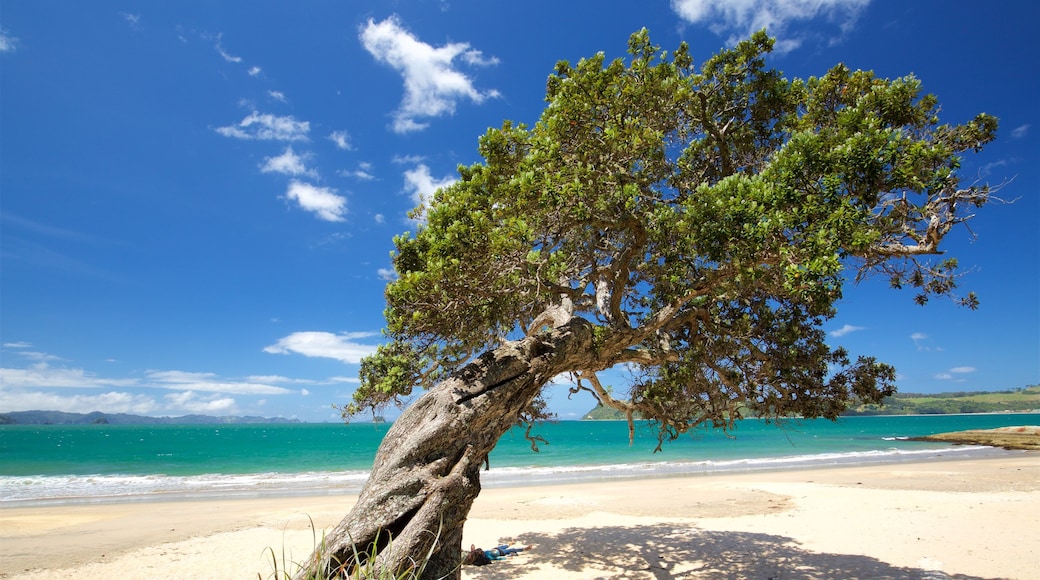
point(427, 470)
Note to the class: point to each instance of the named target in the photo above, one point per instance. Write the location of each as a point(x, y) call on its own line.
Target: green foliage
point(704, 219)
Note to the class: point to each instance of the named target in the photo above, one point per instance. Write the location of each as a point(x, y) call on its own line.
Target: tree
point(696, 225)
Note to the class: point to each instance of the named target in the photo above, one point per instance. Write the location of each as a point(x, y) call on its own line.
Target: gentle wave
point(111, 487)
point(23, 490)
point(513, 476)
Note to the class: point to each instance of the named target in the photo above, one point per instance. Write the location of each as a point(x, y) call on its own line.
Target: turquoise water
point(90, 462)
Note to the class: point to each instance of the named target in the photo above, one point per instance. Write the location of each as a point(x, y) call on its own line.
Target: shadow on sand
point(670, 552)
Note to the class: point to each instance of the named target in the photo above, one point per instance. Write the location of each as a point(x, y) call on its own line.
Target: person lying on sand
point(479, 557)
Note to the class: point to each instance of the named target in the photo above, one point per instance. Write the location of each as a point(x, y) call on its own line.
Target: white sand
point(962, 519)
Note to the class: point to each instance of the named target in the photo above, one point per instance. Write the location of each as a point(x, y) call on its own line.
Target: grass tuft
point(368, 569)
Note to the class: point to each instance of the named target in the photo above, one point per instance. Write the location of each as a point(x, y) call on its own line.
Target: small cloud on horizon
point(953, 374)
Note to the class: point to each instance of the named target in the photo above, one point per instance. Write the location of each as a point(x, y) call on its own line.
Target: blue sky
point(197, 199)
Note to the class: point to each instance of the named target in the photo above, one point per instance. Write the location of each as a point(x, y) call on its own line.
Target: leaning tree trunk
point(427, 470)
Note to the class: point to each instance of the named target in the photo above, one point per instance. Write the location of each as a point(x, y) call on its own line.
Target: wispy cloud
point(192, 402)
point(739, 18)
point(134, 20)
point(267, 127)
point(111, 402)
point(277, 96)
point(363, 172)
point(42, 375)
point(432, 84)
point(923, 342)
point(1020, 131)
point(8, 43)
point(254, 71)
point(954, 374)
point(210, 383)
point(342, 347)
point(223, 53)
point(322, 201)
point(341, 139)
point(847, 329)
point(288, 163)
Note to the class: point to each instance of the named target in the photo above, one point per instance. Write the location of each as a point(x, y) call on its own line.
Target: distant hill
point(97, 418)
point(1013, 400)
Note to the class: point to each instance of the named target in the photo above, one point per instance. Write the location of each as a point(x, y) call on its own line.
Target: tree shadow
point(668, 552)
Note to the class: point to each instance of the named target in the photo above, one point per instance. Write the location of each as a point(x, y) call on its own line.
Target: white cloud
point(421, 185)
point(278, 96)
point(228, 57)
point(988, 168)
point(210, 383)
point(41, 375)
point(17, 345)
point(323, 201)
point(38, 356)
point(848, 328)
point(739, 18)
point(178, 376)
point(278, 379)
point(111, 402)
point(379, 218)
point(7, 42)
point(432, 85)
point(407, 159)
point(341, 347)
point(386, 274)
point(1020, 131)
point(341, 139)
point(363, 172)
point(192, 403)
point(924, 343)
point(254, 71)
point(267, 127)
point(288, 163)
point(952, 374)
point(133, 19)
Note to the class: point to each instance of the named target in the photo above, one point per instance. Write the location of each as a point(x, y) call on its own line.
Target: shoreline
point(278, 485)
point(976, 518)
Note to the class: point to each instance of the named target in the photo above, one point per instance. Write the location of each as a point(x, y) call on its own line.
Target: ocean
point(106, 463)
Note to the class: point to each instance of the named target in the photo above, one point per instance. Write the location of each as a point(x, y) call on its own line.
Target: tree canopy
point(703, 219)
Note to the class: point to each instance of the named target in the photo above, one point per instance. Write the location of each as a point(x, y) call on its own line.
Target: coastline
point(963, 518)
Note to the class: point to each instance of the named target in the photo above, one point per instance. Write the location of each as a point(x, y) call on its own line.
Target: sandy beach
point(976, 518)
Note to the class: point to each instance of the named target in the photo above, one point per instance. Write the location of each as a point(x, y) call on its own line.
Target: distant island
point(98, 418)
point(1010, 401)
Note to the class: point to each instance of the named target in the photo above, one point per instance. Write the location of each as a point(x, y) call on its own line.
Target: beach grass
point(368, 569)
